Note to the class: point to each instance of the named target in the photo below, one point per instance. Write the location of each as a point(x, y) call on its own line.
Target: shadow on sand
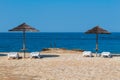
point(3, 54)
point(49, 56)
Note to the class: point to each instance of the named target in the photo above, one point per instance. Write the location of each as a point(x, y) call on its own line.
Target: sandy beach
point(60, 65)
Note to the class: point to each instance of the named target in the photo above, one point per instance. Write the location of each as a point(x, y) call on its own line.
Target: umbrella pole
point(96, 44)
point(24, 44)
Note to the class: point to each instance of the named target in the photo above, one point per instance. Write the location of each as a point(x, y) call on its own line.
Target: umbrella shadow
point(3, 54)
point(49, 56)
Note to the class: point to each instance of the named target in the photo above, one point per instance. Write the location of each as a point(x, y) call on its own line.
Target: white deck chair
point(106, 54)
point(87, 53)
point(35, 54)
point(13, 55)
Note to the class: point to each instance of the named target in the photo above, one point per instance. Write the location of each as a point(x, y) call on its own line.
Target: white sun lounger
point(35, 54)
point(13, 55)
point(87, 53)
point(106, 54)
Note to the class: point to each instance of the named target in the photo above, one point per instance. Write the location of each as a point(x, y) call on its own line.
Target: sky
point(60, 15)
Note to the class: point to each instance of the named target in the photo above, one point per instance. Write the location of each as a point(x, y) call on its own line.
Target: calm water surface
point(12, 41)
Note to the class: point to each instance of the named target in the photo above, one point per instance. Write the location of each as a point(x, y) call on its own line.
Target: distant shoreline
point(62, 50)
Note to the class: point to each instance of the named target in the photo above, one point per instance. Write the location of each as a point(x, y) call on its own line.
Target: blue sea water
point(12, 41)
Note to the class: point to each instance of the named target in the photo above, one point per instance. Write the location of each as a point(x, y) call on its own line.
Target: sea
point(37, 41)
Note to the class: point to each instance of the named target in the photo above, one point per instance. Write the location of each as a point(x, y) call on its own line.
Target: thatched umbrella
point(24, 27)
point(97, 30)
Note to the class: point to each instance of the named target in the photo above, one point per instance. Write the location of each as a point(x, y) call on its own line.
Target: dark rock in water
point(46, 49)
point(78, 50)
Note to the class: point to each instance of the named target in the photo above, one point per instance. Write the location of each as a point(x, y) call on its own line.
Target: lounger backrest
point(12, 53)
point(34, 52)
point(105, 53)
point(87, 52)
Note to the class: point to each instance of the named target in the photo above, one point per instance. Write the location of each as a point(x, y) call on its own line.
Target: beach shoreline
point(60, 66)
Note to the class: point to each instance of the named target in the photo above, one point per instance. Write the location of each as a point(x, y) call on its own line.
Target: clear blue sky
point(60, 15)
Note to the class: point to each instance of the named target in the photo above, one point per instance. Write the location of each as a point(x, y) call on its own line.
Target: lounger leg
point(17, 58)
point(39, 56)
point(110, 56)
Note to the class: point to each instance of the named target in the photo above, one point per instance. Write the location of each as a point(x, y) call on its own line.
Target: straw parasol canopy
point(24, 27)
point(97, 30)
